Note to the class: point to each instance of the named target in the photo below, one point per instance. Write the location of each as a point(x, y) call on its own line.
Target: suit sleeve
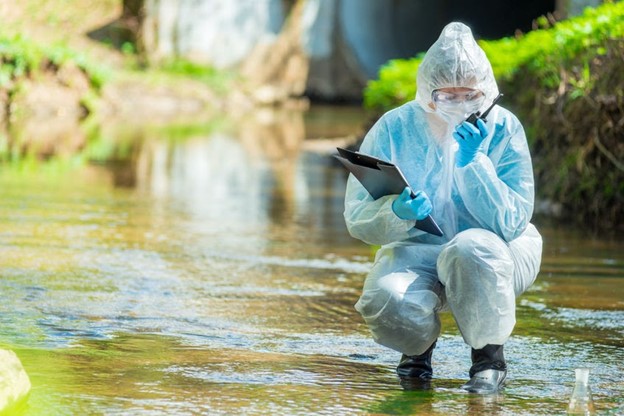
point(500, 197)
point(369, 220)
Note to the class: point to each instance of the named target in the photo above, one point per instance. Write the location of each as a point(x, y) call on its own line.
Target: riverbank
point(78, 62)
point(49, 81)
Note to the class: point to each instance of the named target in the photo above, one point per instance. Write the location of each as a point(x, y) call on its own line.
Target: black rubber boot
point(416, 366)
point(490, 357)
point(488, 371)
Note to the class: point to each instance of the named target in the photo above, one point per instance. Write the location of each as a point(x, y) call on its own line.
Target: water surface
point(213, 274)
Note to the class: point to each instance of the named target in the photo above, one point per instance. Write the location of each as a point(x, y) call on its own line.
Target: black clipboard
point(381, 178)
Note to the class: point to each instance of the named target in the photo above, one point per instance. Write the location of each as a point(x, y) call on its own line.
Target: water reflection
point(253, 178)
point(212, 273)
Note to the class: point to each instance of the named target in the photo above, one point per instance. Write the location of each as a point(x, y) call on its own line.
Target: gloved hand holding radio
point(408, 208)
point(470, 139)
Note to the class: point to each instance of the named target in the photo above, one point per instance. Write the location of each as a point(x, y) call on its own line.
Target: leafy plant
point(396, 84)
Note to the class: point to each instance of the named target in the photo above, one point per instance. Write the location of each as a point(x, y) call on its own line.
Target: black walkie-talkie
point(472, 118)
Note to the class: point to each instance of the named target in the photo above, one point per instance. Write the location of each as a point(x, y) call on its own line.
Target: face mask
point(456, 112)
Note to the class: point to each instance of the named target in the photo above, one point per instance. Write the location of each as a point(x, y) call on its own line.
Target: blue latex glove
point(469, 138)
point(408, 208)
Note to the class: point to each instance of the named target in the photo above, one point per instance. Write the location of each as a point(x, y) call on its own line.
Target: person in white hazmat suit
point(477, 183)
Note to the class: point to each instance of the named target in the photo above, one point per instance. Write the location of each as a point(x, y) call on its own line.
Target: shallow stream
point(213, 274)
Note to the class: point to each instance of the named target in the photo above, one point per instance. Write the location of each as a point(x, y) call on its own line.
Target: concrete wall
point(342, 42)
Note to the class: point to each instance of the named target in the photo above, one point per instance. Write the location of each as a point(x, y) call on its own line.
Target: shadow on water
point(207, 269)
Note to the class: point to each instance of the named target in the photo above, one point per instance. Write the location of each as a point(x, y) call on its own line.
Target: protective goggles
point(447, 97)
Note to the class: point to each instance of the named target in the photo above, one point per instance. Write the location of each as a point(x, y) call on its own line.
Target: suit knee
point(401, 312)
point(471, 252)
point(380, 295)
point(400, 297)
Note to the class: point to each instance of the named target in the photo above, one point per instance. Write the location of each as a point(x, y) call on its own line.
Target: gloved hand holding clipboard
point(381, 178)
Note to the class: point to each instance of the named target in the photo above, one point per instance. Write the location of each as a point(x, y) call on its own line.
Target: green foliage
point(396, 84)
point(18, 58)
point(542, 52)
point(128, 48)
point(21, 57)
point(61, 55)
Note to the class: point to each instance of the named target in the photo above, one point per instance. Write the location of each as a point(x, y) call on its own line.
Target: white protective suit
point(489, 254)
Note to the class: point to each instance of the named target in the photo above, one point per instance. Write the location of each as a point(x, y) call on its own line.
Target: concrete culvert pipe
point(339, 44)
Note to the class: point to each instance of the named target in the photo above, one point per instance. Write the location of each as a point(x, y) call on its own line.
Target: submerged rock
point(14, 382)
